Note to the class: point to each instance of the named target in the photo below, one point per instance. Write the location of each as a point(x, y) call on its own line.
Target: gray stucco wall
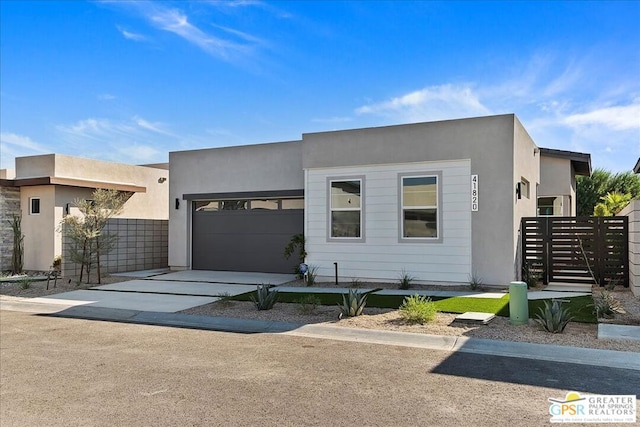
point(488, 141)
point(526, 165)
point(558, 179)
point(261, 167)
point(9, 206)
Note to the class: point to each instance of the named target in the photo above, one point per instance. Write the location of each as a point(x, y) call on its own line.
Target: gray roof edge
point(636, 168)
point(581, 161)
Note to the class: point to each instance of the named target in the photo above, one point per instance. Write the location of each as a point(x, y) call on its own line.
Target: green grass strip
point(581, 307)
point(480, 305)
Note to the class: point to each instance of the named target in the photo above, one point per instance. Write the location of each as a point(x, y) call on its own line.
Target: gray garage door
point(245, 235)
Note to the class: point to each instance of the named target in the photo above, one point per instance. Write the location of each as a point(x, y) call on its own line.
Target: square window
point(419, 206)
point(34, 206)
point(345, 209)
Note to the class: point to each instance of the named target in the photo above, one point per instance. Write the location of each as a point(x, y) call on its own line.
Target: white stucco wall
point(382, 256)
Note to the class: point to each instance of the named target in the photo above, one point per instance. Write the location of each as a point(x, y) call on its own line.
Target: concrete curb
point(552, 353)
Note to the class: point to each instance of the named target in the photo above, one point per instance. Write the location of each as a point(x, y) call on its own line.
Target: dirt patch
point(38, 288)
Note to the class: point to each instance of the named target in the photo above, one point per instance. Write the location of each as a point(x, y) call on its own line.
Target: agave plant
point(265, 297)
point(353, 303)
point(553, 317)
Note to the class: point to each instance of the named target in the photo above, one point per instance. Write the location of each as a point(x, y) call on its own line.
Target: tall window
point(345, 209)
point(34, 206)
point(420, 207)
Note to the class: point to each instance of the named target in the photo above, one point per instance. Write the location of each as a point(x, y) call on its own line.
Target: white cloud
point(142, 153)
point(177, 22)
point(21, 142)
point(618, 118)
point(130, 35)
point(13, 145)
point(432, 103)
point(134, 140)
point(156, 127)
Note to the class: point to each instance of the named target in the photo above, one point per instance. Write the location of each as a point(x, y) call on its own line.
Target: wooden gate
point(577, 249)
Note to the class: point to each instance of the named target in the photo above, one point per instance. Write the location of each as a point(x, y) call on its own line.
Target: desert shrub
point(308, 304)
point(553, 317)
point(530, 275)
point(475, 281)
point(418, 309)
point(312, 273)
point(25, 283)
point(405, 280)
point(606, 306)
point(225, 299)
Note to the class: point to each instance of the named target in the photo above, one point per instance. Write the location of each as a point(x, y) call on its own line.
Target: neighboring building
point(439, 200)
point(43, 189)
point(557, 189)
point(636, 168)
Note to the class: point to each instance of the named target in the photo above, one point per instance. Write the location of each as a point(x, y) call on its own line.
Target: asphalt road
point(70, 372)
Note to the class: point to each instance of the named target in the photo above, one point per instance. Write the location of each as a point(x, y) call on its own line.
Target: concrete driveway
point(166, 293)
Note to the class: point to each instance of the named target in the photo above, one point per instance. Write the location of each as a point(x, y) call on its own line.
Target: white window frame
point(437, 207)
point(31, 199)
point(361, 209)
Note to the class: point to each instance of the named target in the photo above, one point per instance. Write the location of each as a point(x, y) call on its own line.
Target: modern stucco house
point(43, 189)
point(439, 200)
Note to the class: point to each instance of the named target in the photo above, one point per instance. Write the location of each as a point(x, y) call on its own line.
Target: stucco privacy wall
point(142, 245)
point(633, 212)
point(261, 167)
point(489, 144)
point(9, 206)
point(382, 255)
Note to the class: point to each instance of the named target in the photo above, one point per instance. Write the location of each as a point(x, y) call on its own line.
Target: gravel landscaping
point(576, 334)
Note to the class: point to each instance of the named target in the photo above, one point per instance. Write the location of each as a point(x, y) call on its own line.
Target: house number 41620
point(474, 193)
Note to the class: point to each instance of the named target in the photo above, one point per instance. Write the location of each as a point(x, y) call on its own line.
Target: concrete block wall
point(633, 212)
point(142, 245)
point(9, 205)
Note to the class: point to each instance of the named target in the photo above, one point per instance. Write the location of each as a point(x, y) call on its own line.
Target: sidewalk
point(555, 353)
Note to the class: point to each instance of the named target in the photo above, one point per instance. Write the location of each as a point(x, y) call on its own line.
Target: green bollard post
point(518, 303)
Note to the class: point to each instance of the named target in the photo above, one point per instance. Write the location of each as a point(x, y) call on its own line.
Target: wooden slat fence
point(577, 249)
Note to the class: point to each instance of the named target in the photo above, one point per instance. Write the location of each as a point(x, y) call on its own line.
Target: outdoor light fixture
point(518, 190)
point(177, 203)
point(161, 180)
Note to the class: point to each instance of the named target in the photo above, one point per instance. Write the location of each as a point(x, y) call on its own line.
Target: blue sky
point(131, 81)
